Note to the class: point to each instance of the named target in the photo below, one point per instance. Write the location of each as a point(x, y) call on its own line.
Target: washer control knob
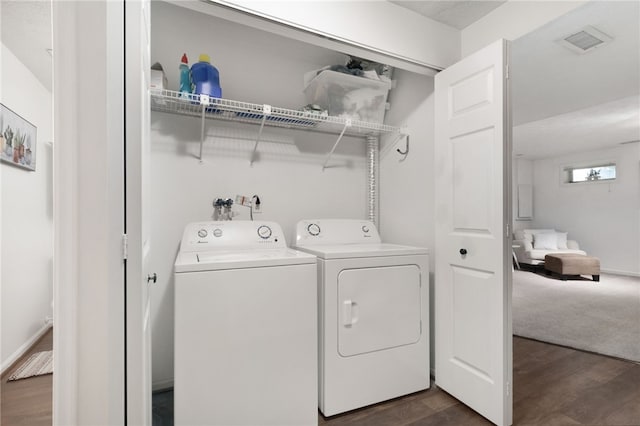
point(313, 229)
point(264, 232)
point(217, 232)
point(202, 233)
point(365, 229)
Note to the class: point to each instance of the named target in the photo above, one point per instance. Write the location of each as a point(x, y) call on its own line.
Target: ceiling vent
point(585, 40)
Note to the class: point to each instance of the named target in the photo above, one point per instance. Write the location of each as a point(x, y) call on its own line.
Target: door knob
point(463, 251)
point(152, 277)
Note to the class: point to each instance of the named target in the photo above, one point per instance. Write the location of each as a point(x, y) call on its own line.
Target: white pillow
point(528, 234)
point(562, 240)
point(545, 241)
point(538, 231)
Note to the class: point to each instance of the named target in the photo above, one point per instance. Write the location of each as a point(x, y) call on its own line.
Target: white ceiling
point(566, 102)
point(597, 127)
point(457, 14)
point(26, 31)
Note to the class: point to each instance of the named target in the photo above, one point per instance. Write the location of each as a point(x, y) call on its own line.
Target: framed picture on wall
point(17, 140)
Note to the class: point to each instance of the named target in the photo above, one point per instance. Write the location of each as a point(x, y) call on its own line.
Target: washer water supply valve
point(218, 205)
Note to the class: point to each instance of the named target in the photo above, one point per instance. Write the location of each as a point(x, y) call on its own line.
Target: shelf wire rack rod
point(347, 124)
point(266, 111)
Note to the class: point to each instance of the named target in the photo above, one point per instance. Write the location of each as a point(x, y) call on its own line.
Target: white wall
point(513, 19)
point(407, 182)
point(602, 217)
point(27, 217)
point(254, 67)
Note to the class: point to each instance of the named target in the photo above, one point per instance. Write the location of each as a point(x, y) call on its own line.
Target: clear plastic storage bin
point(349, 96)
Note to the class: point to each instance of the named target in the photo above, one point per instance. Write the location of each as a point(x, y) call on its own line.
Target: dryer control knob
point(264, 232)
point(202, 233)
point(217, 232)
point(313, 229)
point(365, 228)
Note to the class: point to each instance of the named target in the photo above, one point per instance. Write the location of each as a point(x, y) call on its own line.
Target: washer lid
point(347, 251)
point(239, 259)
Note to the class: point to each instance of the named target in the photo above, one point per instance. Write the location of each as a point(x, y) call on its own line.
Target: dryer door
point(378, 308)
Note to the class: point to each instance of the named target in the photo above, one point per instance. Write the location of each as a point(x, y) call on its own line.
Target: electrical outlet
point(257, 204)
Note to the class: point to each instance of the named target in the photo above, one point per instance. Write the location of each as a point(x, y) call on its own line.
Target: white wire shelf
point(225, 109)
point(206, 107)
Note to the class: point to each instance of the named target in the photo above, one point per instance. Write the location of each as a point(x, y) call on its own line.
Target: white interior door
point(138, 320)
point(473, 278)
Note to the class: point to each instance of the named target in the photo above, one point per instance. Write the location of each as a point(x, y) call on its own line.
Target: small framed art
point(17, 140)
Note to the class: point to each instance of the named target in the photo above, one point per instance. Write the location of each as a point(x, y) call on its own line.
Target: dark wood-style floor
point(553, 385)
point(28, 401)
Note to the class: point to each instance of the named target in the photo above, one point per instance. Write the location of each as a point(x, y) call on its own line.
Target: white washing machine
point(373, 314)
point(245, 327)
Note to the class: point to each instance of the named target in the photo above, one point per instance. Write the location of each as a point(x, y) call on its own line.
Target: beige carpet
point(38, 364)
point(601, 317)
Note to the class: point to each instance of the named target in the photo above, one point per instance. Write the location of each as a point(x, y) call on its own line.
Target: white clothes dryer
point(245, 327)
point(373, 314)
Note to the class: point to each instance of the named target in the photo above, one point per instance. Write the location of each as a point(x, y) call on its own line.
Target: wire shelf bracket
point(266, 111)
point(347, 124)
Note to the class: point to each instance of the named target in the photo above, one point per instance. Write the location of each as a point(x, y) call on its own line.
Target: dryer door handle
point(348, 317)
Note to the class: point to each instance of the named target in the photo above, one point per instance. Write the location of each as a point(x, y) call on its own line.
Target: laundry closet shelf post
point(204, 102)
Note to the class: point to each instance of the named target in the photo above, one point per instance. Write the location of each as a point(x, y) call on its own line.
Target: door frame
point(65, 195)
point(88, 194)
point(138, 375)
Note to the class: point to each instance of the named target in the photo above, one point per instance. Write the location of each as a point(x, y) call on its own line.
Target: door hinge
point(508, 388)
point(508, 233)
point(506, 72)
point(125, 246)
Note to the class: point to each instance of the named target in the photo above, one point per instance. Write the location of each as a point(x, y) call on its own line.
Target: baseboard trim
point(6, 365)
point(623, 273)
point(162, 385)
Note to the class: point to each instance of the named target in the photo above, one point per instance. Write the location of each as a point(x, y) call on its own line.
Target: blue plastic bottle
point(185, 76)
point(206, 78)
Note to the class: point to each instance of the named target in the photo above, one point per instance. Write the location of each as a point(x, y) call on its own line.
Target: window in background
point(594, 173)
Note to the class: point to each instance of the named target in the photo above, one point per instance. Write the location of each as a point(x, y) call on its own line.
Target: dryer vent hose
point(372, 176)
